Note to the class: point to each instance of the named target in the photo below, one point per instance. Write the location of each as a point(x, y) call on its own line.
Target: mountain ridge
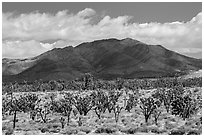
point(105, 59)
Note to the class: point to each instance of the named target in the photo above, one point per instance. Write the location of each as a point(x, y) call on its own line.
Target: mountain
point(105, 59)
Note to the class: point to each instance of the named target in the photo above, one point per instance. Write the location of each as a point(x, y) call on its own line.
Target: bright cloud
point(22, 35)
point(86, 12)
point(22, 49)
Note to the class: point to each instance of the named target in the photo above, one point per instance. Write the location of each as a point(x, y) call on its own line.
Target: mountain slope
point(105, 59)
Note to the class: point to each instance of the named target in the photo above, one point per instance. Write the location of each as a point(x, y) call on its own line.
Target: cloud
point(72, 29)
point(26, 49)
point(22, 49)
point(86, 12)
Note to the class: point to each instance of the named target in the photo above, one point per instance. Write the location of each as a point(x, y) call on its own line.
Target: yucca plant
point(185, 106)
point(117, 110)
point(132, 101)
point(17, 105)
point(148, 105)
point(100, 102)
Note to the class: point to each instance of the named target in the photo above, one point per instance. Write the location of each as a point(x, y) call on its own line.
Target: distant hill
point(193, 74)
point(105, 59)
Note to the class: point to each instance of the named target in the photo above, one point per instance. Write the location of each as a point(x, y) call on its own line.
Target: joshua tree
point(62, 121)
point(43, 111)
point(148, 105)
point(53, 84)
point(88, 81)
point(100, 102)
point(17, 105)
point(113, 97)
point(167, 96)
point(83, 103)
point(65, 105)
point(185, 106)
point(117, 110)
point(32, 101)
point(132, 101)
point(119, 83)
point(157, 111)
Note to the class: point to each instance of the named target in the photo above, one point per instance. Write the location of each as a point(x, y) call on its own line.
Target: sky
point(29, 29)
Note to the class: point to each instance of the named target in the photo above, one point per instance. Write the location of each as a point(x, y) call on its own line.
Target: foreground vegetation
point(89, 106)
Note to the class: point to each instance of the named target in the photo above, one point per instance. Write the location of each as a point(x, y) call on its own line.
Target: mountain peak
point(129, 41)
point(107, 40)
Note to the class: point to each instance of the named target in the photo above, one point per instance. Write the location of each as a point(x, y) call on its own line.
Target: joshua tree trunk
point(146, 119)
point(14, 119)
point(156, 118)
point(79, 122)
point(68, 118)
point(62, 125)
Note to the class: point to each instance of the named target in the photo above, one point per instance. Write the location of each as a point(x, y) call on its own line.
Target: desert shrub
point(85, 129)
point(52, 125)
point(54, 130)
point(189, 123)
point(198, 123)
point(130, 130)
point(5, 127)
point(196, 90)
point(108, 130)
point(27, 128)
point(171, 118)
point(124, 121)
point(49, 125)
point(162, 131)
point(44, 129)
point(194, 132)
point(54, 120)
point(143, 129)
point(55, 125)
point(155, 130)
point(169, 125)
point(70, 131)
point(8, 130)
point(177, 132)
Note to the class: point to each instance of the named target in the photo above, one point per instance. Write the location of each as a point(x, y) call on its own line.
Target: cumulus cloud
point(30, 48)
point(71, 29)
point(22, 49)
point(86, 12)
